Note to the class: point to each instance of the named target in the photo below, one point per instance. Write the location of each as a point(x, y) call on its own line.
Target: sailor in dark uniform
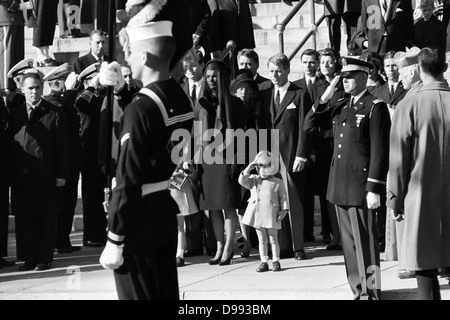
point(16, 98)
point(142, 238)
point(358, 174)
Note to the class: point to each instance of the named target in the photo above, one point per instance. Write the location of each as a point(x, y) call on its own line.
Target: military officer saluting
point(361, 126)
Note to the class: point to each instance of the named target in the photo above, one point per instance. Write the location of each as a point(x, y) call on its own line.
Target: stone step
point(281, 8)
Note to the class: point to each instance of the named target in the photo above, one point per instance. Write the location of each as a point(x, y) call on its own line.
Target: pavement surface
point(79, 276)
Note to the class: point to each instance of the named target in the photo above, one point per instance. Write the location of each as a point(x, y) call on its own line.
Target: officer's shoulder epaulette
point(170, 116)
point(377, 101)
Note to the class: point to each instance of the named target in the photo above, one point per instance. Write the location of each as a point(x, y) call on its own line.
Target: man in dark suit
point(199, 231)
point(336, 11)
point(38, 133)
point(285, 107)
point(310, 83)
point(385, 25)
point(200, 14)
point(230, 20)
point(96, 55)
point(249, 59)
point(358, 174)
point(392, 92)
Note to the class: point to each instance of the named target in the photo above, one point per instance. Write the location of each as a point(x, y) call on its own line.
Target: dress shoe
point(300, 255)
point(227, 261)
point(94, 244)
point(286, 254)
point(43, 266)
point(309, 238)
point(48, 63)
point(406, 274)
point(276, 266)
point(211, 252)
point(264, 267)
point(4, 263)
point(75, 248)
point(245, 254)
point(193, 253)
point(180, 262)
point(63, 250)
point(214, 262)
point(27, 267)
point(78, 33)
point(334, 247)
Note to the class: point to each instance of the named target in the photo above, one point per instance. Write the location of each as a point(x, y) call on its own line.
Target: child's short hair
point(426, 3)
point(265, 158)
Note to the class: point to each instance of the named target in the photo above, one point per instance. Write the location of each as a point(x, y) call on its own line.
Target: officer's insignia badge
point(359, 118)
point(30, 64)
point(344, 62)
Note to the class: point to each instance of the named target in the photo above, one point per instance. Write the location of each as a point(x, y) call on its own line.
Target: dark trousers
point(149, 271)
point(12, 51)
point(47, 15)
point(35, 235)
point(325, 211)
point(4, 218)
point(361, 251)
point(65, 217)
point(381, 222)
point(334, 28)
point(428, 287)
point(309, 203)
point(94, 216)
point(199, 232)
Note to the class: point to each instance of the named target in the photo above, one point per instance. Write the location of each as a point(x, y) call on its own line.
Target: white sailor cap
point(408, 58)
point(150, 30)
point(58, 73)
point(89, 72)
point(20, 68)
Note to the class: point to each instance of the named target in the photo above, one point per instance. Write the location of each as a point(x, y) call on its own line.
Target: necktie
point(31, 110)
point(277, 100)
point(194, 93)
point(350, 103)
point(392, 92)
point(310, 90)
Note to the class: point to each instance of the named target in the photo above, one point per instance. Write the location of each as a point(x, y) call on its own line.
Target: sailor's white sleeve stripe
point(115, 237)
point(125, 137)
point(376, 181)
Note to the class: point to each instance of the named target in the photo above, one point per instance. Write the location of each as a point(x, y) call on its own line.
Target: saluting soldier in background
point(361, 126)
point(66, 100)
point(142, 238)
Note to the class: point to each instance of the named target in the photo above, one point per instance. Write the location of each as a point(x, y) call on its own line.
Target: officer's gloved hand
point(112, 256)
point(329, 92)
point(71, 81)
point(111, 75)
point(397, 215)
point(373, 201)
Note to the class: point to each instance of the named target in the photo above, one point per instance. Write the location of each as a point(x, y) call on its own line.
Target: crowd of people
point(354, 131)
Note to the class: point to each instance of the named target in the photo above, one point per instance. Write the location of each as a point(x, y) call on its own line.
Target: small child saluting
point(267, 206)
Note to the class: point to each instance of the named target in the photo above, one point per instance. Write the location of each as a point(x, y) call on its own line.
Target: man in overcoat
point(419, 174)
point(38, 131)
point(385, 25)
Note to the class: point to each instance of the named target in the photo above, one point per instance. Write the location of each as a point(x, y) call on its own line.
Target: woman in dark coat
point(220, 192)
